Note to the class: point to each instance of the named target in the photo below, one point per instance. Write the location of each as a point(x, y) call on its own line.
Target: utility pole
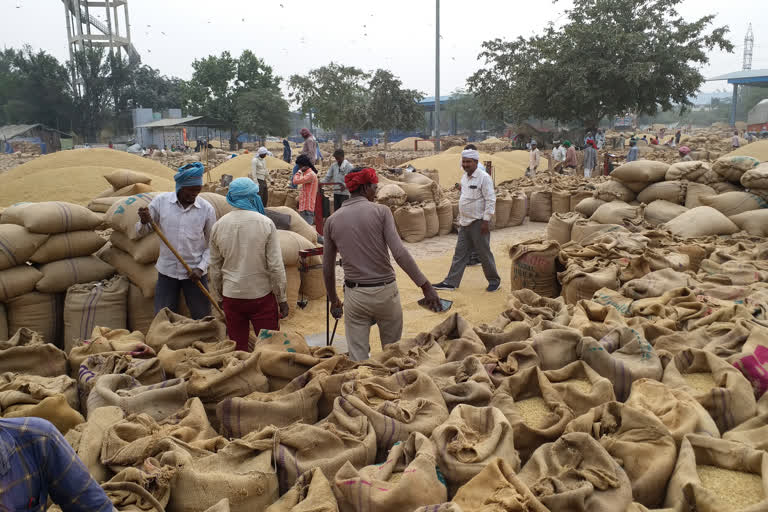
point(437, 75)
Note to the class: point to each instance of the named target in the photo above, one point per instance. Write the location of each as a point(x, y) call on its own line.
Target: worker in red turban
point(357, 178)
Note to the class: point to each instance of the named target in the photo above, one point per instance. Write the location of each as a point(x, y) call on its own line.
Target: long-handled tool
point(186, 267)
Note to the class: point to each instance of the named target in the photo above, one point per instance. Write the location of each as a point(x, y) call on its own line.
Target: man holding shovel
point(186, 220)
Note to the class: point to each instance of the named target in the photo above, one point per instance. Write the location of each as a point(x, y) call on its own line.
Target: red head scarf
point(357, 179)
point(592, 143)
point(304, 132)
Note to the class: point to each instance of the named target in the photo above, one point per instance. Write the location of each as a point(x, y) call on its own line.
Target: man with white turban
point(260, 173)
point(477, 204)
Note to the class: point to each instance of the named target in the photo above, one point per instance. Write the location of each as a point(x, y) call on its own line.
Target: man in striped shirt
point(307, 178)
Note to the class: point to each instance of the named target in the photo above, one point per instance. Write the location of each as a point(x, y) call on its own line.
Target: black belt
point(352, 284)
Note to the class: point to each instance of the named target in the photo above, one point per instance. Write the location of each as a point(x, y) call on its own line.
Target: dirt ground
point(434, 258)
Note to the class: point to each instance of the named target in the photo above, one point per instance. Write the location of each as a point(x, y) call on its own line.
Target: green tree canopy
point(390, 106)
point(92, 99)
point(263, 113)
point(610, 56)
point(468, 110)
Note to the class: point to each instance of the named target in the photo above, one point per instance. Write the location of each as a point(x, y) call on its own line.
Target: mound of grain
point(240, 167)
point(737, 488)
point(508, 165)
point(700, 381)
point(757, 150)
point(493, 140)
point(96, 157)
point(407, 144)
point(581, 385)
point(534, 411)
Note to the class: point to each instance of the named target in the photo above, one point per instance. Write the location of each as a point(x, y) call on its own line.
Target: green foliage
point(390, 106)
point(610, 57)
point(263, 113)
point(153, 90)
point(468, 110)
point(92, 101)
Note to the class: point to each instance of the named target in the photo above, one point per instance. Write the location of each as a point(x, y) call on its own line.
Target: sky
point(294, 36)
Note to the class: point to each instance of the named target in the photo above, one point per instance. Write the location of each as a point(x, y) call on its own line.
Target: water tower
point(749, 44)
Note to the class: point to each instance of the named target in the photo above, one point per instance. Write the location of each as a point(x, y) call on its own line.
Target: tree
point(467, 109)
point(153, 90)
point(334, 94)
point(91, 98)
point(390, 106)
point(610, 56)
point(263, 113)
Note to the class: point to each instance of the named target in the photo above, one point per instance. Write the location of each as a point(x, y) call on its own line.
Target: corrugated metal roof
point(741, 75)
point(10, 131)
point(164, 123)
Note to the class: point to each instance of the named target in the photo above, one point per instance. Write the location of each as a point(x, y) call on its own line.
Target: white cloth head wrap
point(263, 150)
point(471, 154)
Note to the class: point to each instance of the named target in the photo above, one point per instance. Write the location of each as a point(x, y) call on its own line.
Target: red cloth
point(305, 133)
point(592, 143)
point(355, 180)
point(261, 313)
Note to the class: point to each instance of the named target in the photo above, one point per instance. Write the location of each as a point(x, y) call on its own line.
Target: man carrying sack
point(186, 220)
point(247, 266)
point(364, 233)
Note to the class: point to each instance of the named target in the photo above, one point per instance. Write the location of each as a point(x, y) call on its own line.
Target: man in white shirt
point(533, 159)
point(476, 206)
point(735, 140)
point(558, 153)
point(247, 270)
point(186, 220)
point(260, 173)
point(336, 174)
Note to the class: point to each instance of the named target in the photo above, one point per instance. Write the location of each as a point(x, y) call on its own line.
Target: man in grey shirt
point(364, 232)
point(336, 174)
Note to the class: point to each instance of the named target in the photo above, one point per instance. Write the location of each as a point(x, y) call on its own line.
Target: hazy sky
point(296, 35)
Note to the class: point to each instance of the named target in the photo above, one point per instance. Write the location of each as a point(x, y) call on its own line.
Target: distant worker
point(678, 134)
point(558, 153)
point(336, 174)
point(474, 259)
point(477, 204)
point(286, 151)
point(307, 178)
point(608, 164)
point(600, 139)
point(534, 158)
point(590, 158)
point(685, 154)
point(571, 162)
point(260, 173)
point(38, 464)
point(364, 232)
point(735, 140)
point(309, 150)
point(186, 220)
point(634, 153)
point(247, 270)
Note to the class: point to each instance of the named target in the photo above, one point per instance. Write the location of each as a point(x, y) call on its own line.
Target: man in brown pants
point(364, 232)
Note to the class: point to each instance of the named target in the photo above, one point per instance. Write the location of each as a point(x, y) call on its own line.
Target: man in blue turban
point(186, 220)
point(247, 271)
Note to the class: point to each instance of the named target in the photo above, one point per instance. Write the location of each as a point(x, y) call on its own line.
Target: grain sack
point(640, 442)
point(157, 400)
point(130, 190)
point(580, 282)
point(60, 275)
point(701, 221)
point(580, 386)
point(594, 320)
point(39, 312)
point(391, 195)
point(678, 410)
point(87, 438)
point(506, 360)
point(3, 323)
point(757, 177)
point(445, 216)
point(407, 480)
point(660, 212)
point(298, 224)
point(457, 338)
point(17, 281)
point(462, 382)
point(556, 347)
point(86, 306)
point(26, 353)
point(561, 201)
point(496, 487)
point(419, 193)
point(641, 172)
point(589, 206)
point(68, 245)
point(510, 325)
point(534, 267)
point(734, 203)
point(578, 196)
point(503, 209)
point(140, 490)
point(614, 190)
point(416, 177)
point(54, 409)
point(717, 385)
point(559, 226)
point(292, 199)
point(219, 203)
point(471, 438)
point(617, 212)
point(276, 198)
point(17, 245)
point(723, 187)
point(120, 178)
point(311, 492)
point(177, 331)
point(141, 311)
point(411, 223)
point(519, 209)
point(754, 222)
point(143, 276)
point(290, 245)
point(200, 354)
point(145, 250)
point(713, 475)
point(124, 214)
point(732, 168)
point(421, 352)
point(51, 217)
point(18, 391)
point(145, 371)
point(672, 191)
point(575, 473)
point(292, 285)
point(216, 377)
point(690, 171)
point(541, 206)
point(432, 222)
point(102, 204)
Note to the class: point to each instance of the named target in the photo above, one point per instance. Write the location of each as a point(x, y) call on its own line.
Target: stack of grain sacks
point(123, 183)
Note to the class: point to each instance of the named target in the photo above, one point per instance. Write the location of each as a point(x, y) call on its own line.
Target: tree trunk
point(386, 139)
point(339, 142)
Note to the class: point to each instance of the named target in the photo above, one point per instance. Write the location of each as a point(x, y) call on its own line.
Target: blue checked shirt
point(35, 462)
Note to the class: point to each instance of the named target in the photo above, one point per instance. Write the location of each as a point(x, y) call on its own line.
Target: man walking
point(247, 269)
point(364, 233)
point(286, 151)
point(477, 204)
point(533, 159)
point(309, 150)
point(590, 158)
point(307, 178)
point(260, 173)
point(571, 162)
point(336, 174)
point(633, 153)
point(186, 220)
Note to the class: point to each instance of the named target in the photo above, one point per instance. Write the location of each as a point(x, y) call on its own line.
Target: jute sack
point(594, 320)
point(556, 347)
point(219, 203)
point(145, 371)
point(292, 199)
point(431, 219)
point(559, 226)
point(690, 171)
point(734, 203)
point(411, 223)
point(298, 224)
point(445, 215)
point(726, 394)
point(407, 480)
point(503, 209)
point(174, 360)
point(754, 222)
point(578, 196)
point(55, 409)
point(391, 195)
point(60, 275)
point(510, 325)
point(129, 190)
point(102, 204)
point(616, 212)
point(655, 284)
point(177, 331)
point(421, 352)
point(463, 382)
point(544, 422)
point(276, 198)
point(695, 192)
point(17, 245)
point(575, 473)
point(87, 439)
point(672, 191)
point(660, 211)
point(640, 443)
point(678, 410)
point(145, 250)
point(519, 209)
point(457, 338)
point(17, 281)
point(157, 400)
point(757, 177)
point(614, 190)
point(496, 487)
point(216, 378)
point(561, 201)
point(534, 267)
point(692, 488)
point(588, 206)
point(732, 168)
point(120, 178)
point(418, 193)
point(701, 221)
point(26, 352)
point(536, 307)
point(580, 282)
point(725, 186)
point(541, 206)
point(39, 312)
point(68, 245)
point(141, 311)
point(311, 492)
point(470, 439)
point(580, 386)
point(508, 359)
point(641, 172)
point(86, 306)
point(51, 217)
point(141, 490)
point(290, 245)
point(143, 276)
point(124, 214)
point(18, 391)
point(3, 323)
point(415, 177)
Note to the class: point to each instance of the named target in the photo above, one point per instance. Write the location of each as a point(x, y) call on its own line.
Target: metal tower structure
point(749, 43)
